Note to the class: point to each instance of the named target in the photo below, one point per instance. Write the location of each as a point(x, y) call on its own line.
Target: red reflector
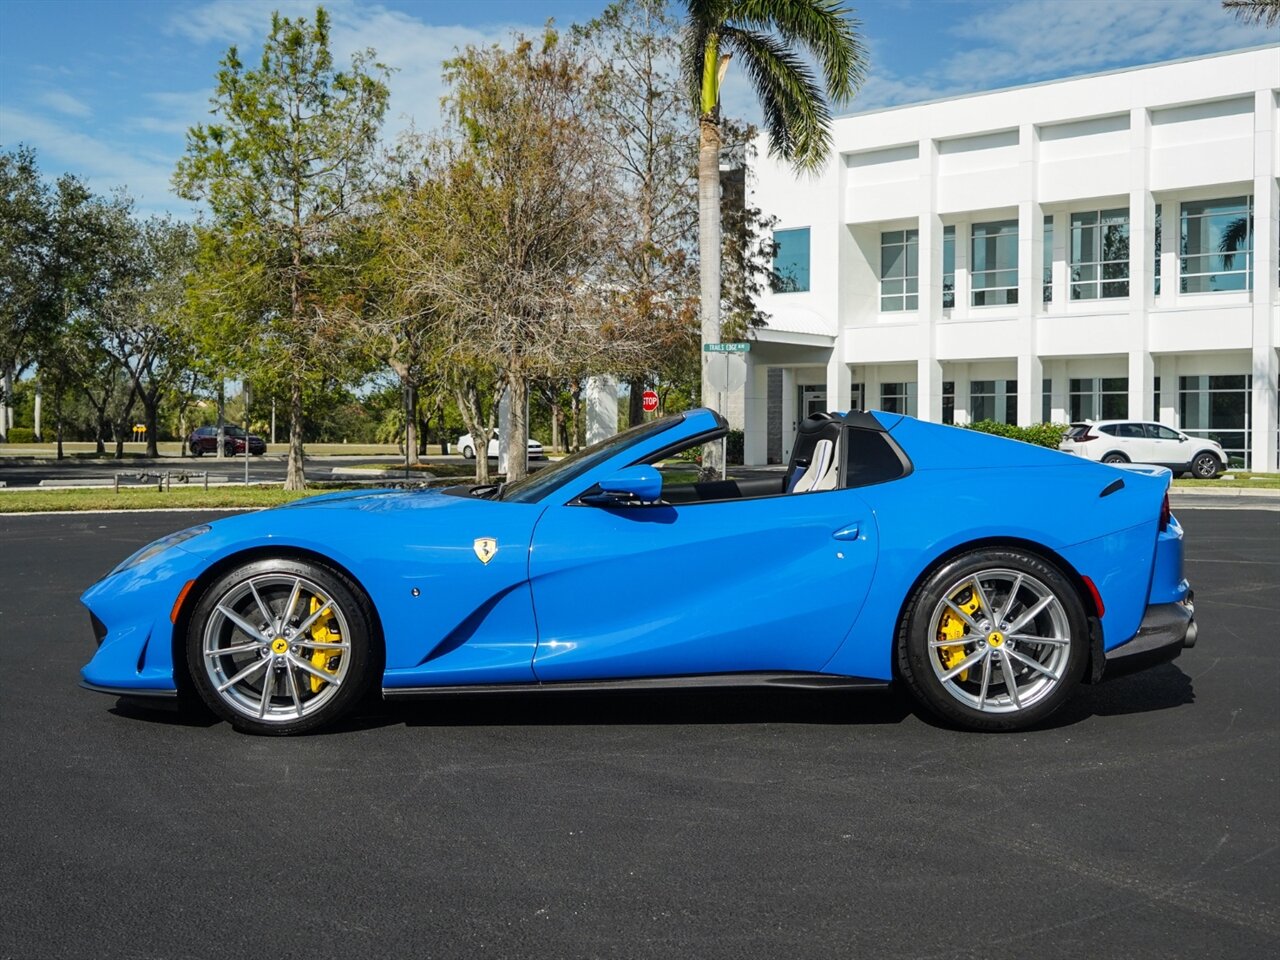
point(177, 604)
point(1165, 513)
point(1097, 597)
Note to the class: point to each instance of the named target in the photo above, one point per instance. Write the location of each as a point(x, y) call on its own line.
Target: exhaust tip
point(1193, 630)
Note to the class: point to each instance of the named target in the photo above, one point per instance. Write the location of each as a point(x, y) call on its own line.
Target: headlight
point(160, 546)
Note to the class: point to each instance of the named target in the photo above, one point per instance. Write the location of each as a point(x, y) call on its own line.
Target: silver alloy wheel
point(1015, 645)
point(258, 645)
point(1206, 466)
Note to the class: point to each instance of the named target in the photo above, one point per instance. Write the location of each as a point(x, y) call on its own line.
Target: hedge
point(1041, 434)
point(22, 435)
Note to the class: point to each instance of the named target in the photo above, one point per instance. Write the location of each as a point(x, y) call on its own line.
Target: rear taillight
point(1165, 513)
point(1087, 436)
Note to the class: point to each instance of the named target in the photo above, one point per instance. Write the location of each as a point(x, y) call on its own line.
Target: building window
point(994, 264)
point(1218, 408)
point(949, 401)
point(1156, 286)
point(1217, 245)
point(948, 267)
point(791, 260)
point(898, 397)
point(1046, 400)
point(899, 270)
point(1048, 260)
point(993, 400)
point(1098, 398)
point(1099, 254)
point(1155, 398)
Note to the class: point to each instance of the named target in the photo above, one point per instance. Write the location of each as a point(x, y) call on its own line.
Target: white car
point(1140, 441)
point(467, 447)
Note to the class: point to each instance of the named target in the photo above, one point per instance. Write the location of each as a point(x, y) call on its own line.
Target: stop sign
point(649, 401)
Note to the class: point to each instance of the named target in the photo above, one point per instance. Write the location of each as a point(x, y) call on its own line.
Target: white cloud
point(1048, 38)
point(102, 164)
point(64, 102)
point(414, 49)
point(1009, 44)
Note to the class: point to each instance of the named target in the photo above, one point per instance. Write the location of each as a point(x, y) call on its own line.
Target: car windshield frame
point(544, 482)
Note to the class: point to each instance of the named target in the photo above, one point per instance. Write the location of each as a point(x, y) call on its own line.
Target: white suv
point(1130, 441)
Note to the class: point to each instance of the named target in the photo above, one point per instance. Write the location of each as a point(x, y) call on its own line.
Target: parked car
point(467, 447)
point(892, 550)
point(205, 440)
point(1140, 441)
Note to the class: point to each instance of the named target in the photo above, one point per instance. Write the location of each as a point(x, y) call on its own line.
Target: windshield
point(549, 479)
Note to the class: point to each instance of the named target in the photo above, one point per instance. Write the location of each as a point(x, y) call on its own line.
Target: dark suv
point(205, 440)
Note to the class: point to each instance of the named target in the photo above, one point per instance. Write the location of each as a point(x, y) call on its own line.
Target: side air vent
point(1110, 488)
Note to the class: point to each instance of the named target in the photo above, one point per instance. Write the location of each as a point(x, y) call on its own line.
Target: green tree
point(290, 157)
point(767, 36)
point(24, 226)
point(522, 204)
point(641, 101)
point(141, 317)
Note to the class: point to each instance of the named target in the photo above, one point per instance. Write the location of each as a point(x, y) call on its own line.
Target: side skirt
point(796, 680)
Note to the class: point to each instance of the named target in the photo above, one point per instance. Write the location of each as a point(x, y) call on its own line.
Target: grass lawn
point(1234, 479)
point(190, 498)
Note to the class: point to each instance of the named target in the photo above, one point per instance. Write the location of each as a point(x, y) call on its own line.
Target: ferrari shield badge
point(485, 548)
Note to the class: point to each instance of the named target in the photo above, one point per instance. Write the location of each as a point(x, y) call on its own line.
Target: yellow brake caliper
point(324, 630)
point(953, 628)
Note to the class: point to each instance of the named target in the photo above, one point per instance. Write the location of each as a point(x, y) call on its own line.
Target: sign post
point(726, 365)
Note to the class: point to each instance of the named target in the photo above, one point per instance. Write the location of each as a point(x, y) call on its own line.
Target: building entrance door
point(812, 400)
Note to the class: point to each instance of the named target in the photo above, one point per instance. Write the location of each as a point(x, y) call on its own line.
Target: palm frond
point(1263, 12)
point(825, 28)
point(693, 44)
point(796, 115)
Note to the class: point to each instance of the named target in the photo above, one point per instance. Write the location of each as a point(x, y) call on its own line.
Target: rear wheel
point(197, 450)
point(1205, 466)
point(1115, 458)
point(995, 639)
point(281, 646)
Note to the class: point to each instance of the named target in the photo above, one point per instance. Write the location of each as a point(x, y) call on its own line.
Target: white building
point(1103, 246)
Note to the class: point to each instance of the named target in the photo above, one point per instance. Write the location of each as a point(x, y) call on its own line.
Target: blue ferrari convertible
point(987, 576)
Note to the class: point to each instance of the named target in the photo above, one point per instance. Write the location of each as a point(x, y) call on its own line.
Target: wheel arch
point(177, 640)
point(1116, 453)
point(1092, 614)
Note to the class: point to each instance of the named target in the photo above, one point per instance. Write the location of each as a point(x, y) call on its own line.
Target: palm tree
point(767, 36)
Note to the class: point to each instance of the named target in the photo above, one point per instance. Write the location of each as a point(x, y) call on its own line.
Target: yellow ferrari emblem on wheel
point(996, 638)
point(485, 548)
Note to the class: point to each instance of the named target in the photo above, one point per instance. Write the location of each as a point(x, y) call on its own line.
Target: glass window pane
point(892, 262)
point(1115, 289)
point(791, 260)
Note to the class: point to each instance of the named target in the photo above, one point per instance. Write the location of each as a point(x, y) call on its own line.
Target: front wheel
point(196, 450)
point(468, 453)
point(993, 640)
point(1205, 466)
point(281, 646)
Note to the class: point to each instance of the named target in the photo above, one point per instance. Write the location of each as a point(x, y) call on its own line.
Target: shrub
point(22, 435)
point(1041, 434)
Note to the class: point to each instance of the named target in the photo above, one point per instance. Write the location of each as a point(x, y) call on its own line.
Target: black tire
point(196, 450)
point(294, 702)
point(1205, 465)
point(468, 453)
point(1115, 458)
point(923, 666)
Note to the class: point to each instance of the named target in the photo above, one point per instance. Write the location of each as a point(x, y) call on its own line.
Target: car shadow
point(653, 707)
point(1160, 688)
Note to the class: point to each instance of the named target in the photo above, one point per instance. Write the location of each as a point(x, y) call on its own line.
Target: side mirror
point(639, 484)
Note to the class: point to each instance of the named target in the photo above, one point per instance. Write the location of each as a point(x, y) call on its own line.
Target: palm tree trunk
point(709, 259)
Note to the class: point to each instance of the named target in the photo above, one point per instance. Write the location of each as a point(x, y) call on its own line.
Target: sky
point(107, 89)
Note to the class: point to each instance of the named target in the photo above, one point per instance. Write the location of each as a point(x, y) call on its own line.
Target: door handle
point(848, 532)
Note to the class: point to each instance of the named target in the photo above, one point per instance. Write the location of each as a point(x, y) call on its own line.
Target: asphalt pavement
point(1143, 821)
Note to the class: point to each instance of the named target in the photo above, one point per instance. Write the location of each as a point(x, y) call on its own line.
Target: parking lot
point(1144, 821)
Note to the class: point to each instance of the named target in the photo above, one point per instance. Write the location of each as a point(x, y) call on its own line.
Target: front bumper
point(1166, 630)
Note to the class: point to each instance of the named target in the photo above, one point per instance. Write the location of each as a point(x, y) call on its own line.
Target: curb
point(1224, 492)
